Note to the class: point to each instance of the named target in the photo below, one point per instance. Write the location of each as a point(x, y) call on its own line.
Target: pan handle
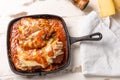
point(92, 37)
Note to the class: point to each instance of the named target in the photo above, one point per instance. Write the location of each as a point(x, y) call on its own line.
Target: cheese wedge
point(106, 8)
point(117, 5)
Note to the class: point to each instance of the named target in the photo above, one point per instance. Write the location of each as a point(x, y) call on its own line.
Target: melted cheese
point(53, 46)
point(56, 47)
point(49, 59)
point(33, 34)
point(57, 53)
point(48, 48)
point(29, 63)
point(36, 43)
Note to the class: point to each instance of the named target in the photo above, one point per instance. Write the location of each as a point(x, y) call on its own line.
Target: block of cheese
point(106, 8)
point(117, 5)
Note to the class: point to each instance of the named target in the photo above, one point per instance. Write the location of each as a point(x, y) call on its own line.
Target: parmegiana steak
point(37, 44)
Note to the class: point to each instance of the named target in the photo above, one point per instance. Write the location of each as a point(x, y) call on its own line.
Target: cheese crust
point(37, 43)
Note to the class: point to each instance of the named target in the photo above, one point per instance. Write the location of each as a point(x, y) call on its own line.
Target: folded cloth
point(100, 58)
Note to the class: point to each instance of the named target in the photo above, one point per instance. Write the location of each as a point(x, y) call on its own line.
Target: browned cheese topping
point(37, 43)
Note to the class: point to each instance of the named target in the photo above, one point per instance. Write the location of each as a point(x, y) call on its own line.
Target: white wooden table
point(64, 8)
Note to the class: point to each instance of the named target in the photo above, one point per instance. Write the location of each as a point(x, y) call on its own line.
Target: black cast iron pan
point(70, 40)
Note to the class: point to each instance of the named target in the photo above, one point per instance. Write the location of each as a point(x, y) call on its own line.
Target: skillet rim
point(46, 16)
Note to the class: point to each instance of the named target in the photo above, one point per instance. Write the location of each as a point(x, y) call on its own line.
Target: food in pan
point(81, 3)
point(37, 44)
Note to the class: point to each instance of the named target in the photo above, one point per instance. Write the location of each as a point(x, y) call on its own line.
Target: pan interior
point(66, 48)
